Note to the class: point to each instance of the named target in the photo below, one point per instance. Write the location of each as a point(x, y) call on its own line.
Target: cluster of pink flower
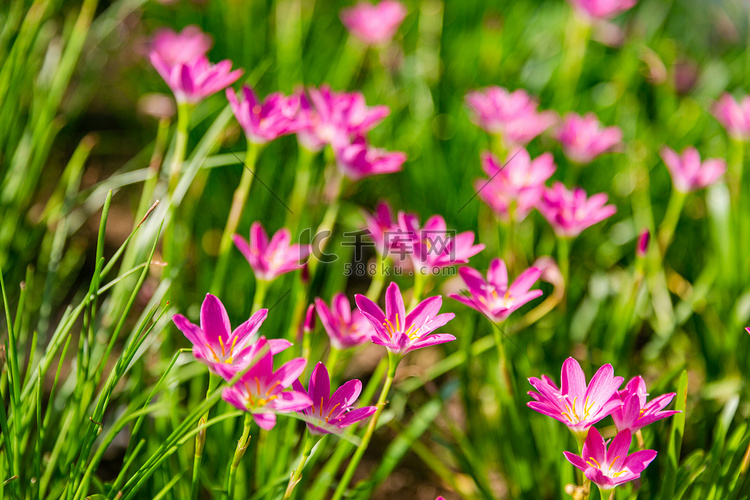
point(579, 406)
point(319, 117)
point(245, 360)
point(516, 187)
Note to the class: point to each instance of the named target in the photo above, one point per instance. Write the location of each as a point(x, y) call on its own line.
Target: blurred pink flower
point(333, 411)
point(379, 225)
point(601, 9)
point(224, 351)
point(635, 412)
point(271, 259)
point(265, 121)
point(577, 404)
point(611, 467)
point(570, 212)
point(493, 297)
point(583, 139)
point(402, 333)
point(432, 246)
point(181, 61)
point(261, 391)
point(688, 172)
point(511, 115)
point(357, 159)
point(516, 185)
point(345, 327)
point(734, 115)
point(374, 24)
point(172, 48)
point(330, 117)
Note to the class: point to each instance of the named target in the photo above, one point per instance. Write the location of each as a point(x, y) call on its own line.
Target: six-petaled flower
point(224, 351)
point(636, 412)
point(611, 467)
point(494, 297)
point(331, 413)
point(345, 327)
point(270, 259)
point(400, 332)
point(577, 404)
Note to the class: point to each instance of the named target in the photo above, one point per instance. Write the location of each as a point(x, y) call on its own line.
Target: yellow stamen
point(216, 358)
point(221, 342)
point(332, 410)
point(613, 462)
point(268, 392)
point(594, 464)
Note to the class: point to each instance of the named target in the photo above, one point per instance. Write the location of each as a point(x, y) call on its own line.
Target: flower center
point(225, 357)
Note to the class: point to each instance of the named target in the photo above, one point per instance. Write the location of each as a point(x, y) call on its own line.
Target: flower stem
point(310, 442)
point(235, 213)
point(393, 360)
point(239, 452)
point(200, 440)
point(669, 223)
point(378, 279)
point(333, 358)
point(180, 145)
point(261, 287)
point(563, 258)
point(420, 279)
point(177, 159)
point(510, 237)
point(328, 222)
point(506, 384)
point(300, 189)
point(577, 34)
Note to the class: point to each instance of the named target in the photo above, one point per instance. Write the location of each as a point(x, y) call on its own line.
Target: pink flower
point(577, 405)
point(380, 225)
point(172, 48)
point(261, 391)
point(687, 171)
point(613, 467)
point(511, 115)
point(357, 159)
point(583, 139)
point(635, 413)
point(570, 212)
point(180, 60)
point(432, 247)
point(402, 333)
point(516, 185)
point(374, 24)
point(493, 297)
point(335, 117)
point(333, 411)
point(734, 116)
point(601, 9)
point(271, 259)
point(224, 351)
point(266, 121)
point(345, 327)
